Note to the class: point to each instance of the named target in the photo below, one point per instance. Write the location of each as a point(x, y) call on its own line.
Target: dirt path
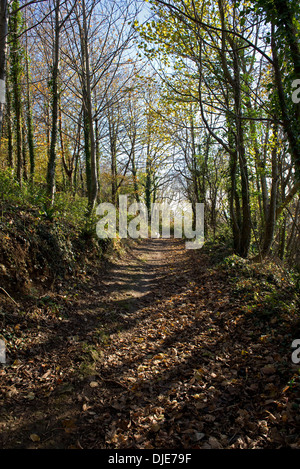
point(72, 344)
point(152, 353)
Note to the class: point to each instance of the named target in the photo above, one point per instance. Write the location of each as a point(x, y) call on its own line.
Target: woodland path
point(151, 353)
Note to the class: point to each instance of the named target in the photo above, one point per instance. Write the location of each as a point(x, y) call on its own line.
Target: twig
point(113, 381)
point(9, 296)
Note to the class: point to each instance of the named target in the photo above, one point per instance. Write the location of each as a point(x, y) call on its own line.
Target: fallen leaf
point(214, 443)
point(93, 384)
point(69, 425)
point(269, 369)
point(155, 427)
point(198, 436)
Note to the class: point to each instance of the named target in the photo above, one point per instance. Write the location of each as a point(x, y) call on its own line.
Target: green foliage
point(268, 291)
point(10, 189)
point(220, 247)
point(67, 208)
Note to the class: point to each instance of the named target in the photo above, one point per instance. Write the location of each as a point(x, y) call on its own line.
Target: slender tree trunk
point(67, 164)
point(51, 183)
point(97, 144)
point(234, 202)
point(24, 155)
point(113, 155)
point(3, 43)
point(148, 187)
point(75, 156)
point(234, 205)
point(282, 238)
point(30, 137)
point(295, 226)
point(10, 154)
point(271, 217)
point(90, 147)
point(113, 173)
point(149, 175)
point(134, 176)
point(15, 64)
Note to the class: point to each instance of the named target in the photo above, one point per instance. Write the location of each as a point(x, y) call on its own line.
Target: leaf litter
point(155, 351)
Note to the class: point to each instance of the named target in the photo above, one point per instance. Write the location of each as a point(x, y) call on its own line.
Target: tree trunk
point(134, 176)
point(9, 128)
point(148, 186)
point(51, 170)
point(246, 212)
point(113, 158)
point(90, 147)
point(97, 144)
point(15, 64)
point(271, 216)
point(30, 138)
point(3, 42)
